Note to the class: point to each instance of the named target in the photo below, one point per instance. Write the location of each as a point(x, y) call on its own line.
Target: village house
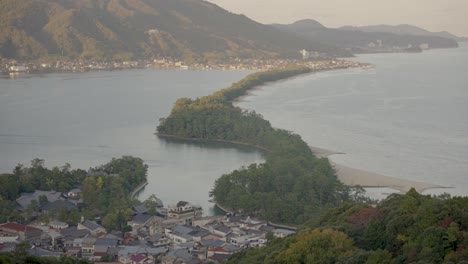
point(92, 227)
point(23, 232)
point(26, 199)
point(185, 210)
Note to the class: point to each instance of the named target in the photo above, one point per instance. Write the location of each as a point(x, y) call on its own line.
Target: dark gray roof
point(236, 218)
point(231, 248)
point(255, 232)
point(140, 209)
point(224, 229)
point(212, 243)
point(91, 225)
point(59, 205)
point(266, 228)
point(199, 233)
point(141, 218)
point(26, 198)
point(181, 229)
point(73, 232)
point(107, 241)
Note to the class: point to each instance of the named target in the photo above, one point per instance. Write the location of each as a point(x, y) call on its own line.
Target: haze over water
point(406, 118)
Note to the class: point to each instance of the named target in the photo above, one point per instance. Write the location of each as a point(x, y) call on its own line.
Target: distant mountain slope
point(360, 41)
point(402, 29)
point(125, 29)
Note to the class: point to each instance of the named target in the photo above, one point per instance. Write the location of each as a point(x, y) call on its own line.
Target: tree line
point(105, 192)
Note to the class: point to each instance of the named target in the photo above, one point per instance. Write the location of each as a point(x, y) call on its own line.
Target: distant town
point(177, 233)
point(315, 60)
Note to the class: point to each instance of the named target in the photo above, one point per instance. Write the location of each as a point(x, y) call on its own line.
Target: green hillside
point(134, 29)
point(410, 228)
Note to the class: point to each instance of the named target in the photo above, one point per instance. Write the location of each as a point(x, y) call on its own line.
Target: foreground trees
point(410, 228)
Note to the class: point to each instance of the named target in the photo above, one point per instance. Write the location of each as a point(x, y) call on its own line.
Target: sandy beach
point(351, 176)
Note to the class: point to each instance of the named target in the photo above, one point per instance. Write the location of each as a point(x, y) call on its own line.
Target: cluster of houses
point(176, 234)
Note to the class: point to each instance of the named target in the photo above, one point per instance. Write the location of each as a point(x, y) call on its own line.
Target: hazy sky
point(434, 15)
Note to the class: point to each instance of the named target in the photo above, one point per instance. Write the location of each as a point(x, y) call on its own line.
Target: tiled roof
point(25, 199)
point(140, 209)
point(18, 227)
point(90, 225)
point(138, 258)
point(141, 218)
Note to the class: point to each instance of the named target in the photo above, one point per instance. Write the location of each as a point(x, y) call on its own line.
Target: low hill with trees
point(409, 228)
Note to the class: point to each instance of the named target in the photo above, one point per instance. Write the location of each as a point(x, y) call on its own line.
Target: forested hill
point(132, 29)
point(410, 228)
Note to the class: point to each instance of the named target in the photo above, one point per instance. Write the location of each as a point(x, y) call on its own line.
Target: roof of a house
point(212, 242)
point(59, 205)
point(236, 218)
point(224, 229)
point(126, 250)
point(89, 241)
point(140, 209)
point(19, 227)
point(107, 242)
point(266, 228)
point(231, 248)
point(91, 225)
point(138, 258)
point(73, 232)
point(26, 198)
point(181, 229)
point(141, 218)
point(199, 233)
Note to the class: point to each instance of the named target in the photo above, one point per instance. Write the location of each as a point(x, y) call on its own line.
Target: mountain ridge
point(129, 29)
point(402, 29)
point(362, 41)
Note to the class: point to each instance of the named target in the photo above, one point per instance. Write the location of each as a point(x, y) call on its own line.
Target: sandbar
point(353, 177)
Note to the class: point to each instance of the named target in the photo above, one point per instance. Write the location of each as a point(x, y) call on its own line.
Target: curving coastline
point(347, 175)
point(213, 140)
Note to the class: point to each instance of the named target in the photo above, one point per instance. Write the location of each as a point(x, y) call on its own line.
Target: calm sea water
point(406, 118)
point(86, 119)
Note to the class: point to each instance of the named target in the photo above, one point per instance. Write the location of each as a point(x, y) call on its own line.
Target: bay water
point(86, 119)
point(406, 118)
